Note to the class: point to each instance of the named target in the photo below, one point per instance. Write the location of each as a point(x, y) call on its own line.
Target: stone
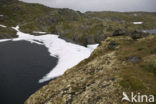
point(134, 59)
point(112, 45)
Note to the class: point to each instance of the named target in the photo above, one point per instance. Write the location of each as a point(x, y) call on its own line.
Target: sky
point(100, 5)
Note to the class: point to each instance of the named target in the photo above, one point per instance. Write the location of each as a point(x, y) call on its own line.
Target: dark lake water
point(22, 64)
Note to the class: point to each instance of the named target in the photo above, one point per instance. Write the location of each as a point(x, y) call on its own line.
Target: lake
point(22, 64)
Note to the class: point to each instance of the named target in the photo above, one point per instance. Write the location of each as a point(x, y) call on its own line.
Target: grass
point(150, 68)
point(138, 76)
point(132, 84)
point(6, 33)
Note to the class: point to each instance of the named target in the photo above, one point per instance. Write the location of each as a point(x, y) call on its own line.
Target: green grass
point(6, 33)
point(132, 84)
point(138, 76)
point(150, 68)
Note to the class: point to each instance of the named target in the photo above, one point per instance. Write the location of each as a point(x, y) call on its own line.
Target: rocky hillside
point(119, 64)
point(83, 28)
point(6, 32)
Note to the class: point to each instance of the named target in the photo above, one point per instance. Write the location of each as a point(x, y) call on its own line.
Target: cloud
point(100, 5)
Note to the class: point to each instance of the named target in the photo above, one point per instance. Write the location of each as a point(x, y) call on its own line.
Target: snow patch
point(39, 32)
point(68, 54)
point(3, 26)
point(137, 23)
point(4, 40)
point(92, 46)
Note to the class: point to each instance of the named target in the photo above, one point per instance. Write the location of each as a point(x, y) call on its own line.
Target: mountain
point(125, 61)
point(119, 65)
point(83, 28)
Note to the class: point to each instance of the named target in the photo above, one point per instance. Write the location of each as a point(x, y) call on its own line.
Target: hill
point(119, 65)
point(83, 28)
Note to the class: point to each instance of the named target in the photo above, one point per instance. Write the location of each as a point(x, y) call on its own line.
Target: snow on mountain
point(3, 26)
point(68, 54)
point(39, 32)
point(137, 23)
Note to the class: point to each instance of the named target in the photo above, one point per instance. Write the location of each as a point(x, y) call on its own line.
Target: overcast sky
point(101, 5)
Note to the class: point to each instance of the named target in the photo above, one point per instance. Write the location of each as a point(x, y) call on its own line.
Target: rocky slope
point(6, 32)
point(83, 28)
point(119, 64)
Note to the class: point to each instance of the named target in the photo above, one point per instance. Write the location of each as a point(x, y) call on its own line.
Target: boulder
point(134, 59)
point(112, 45)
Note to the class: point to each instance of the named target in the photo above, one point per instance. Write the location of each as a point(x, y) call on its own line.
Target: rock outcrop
point(6, 32)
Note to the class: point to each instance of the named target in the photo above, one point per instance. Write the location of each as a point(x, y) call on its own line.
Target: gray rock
point(153, 51)
point(119, 32)
point(112, 45)
point(138, 34)
point(134, 59)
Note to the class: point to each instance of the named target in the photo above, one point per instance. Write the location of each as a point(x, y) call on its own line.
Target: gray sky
point(100, 5)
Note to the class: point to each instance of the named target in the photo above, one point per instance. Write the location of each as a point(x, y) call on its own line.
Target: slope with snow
point(3, 26)
point(38, 32)
point(69, 54)
point(137, 23)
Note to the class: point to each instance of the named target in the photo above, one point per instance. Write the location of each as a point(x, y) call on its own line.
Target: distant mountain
point(2, 2)
point(83, 28)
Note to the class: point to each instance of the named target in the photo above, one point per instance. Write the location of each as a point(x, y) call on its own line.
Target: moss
point(153, 51)
point(76, 88)
point(132, 84)
point(150, 68)
point(7, 33)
